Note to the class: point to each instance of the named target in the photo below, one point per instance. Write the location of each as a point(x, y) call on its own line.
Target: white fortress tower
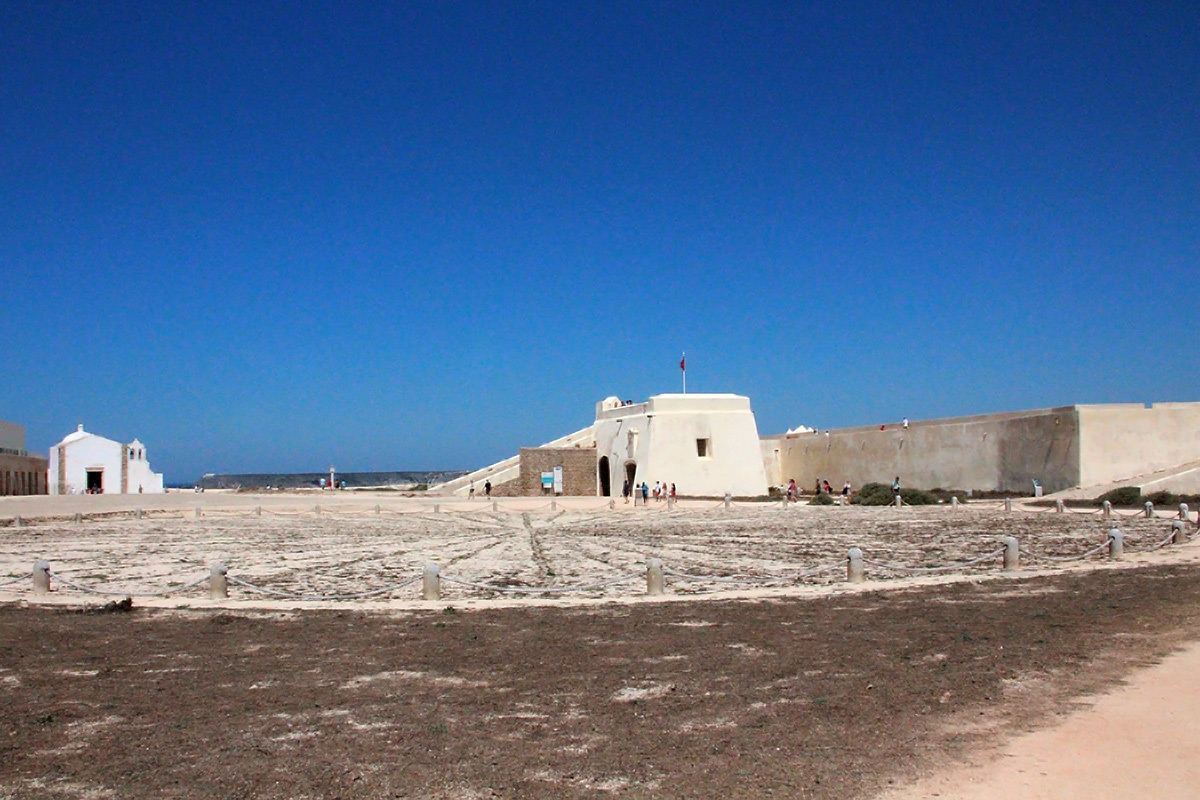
point(706, 444)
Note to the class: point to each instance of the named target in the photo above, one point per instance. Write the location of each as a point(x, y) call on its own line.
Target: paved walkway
point(1141, 740)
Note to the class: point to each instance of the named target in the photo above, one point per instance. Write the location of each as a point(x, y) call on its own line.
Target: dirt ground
point(771, 688)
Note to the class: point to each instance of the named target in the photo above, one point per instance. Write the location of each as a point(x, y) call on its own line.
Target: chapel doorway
point(95, 481)
point(605, 478)
point(631, 472)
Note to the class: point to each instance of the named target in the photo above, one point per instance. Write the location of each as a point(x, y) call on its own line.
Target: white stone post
point(218, 583)
point(1116, 544)
point(258, 511)
point(1149, 510)
point(196, 513)
point(437, 507)
point(554, 504)
point(138, 514)
point(432, 582)
point(1012, 554)
point(898, 501)
point(496, 506)
point(1008, 504)
point(854, 566)
point(317, 509)
point(18, 522)
point(378, 510)
point(784, 502)
point(1183, 512)
point(1178, 532)
point(79, 517)
point(954, 501)
point(728, 499)
point(1107, 508)
point(612, 504)
point(655, 580)
point(1058, 506)
point(41, 577)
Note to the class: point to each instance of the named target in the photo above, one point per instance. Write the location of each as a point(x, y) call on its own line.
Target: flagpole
point(683, 369)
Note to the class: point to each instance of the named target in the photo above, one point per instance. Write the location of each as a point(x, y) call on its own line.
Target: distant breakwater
point(306, 480)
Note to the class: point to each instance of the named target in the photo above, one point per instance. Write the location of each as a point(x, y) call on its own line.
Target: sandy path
point(1138, 741)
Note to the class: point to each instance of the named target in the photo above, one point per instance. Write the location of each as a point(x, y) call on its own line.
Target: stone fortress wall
point(1061, 448)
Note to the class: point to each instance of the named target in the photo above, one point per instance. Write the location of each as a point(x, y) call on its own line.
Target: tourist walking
point(487, 487)
point(626, 490)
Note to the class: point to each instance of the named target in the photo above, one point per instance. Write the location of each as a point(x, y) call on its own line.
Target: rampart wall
point(990, 452)
point(1130, 440)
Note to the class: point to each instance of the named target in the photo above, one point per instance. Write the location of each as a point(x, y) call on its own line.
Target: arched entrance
point(631, 472)
point(605, 478)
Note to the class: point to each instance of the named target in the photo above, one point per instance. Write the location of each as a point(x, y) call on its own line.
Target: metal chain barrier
point(903, 568)
point(320, 597)
point(1063, 560)
point(111, 593)
point(17, 579)
point(541, 590)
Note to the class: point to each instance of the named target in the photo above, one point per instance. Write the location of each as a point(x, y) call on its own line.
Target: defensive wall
point(1061, 448)
point(20, 473)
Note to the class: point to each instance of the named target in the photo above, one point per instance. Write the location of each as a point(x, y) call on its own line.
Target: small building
point(705, 444)
point(86, 463)
point(20, 473)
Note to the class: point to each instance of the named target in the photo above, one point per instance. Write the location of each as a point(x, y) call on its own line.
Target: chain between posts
point(542, 590)
point(110, 593)
point(320, 597)
point(17, 579)
point(902, 568)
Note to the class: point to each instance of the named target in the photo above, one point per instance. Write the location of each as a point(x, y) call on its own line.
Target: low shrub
point(1123, 496)
point(821, 500)
point(873, 494)
point(916, 497)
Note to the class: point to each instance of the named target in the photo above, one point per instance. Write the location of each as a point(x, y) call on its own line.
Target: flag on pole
point(683, 369)
point(681, 366)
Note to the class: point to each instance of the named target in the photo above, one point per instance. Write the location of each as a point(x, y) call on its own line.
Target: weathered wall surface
point(20, 475)
point(658, 440)
point(1119, 442)
point(579, 472)
point(12, 438)
point(988, 452)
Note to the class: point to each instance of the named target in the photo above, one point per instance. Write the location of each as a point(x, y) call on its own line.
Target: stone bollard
point(432, 583)
point(670, 503)
point(79, 517)
point(18, 522)
point(899, 502)
point(196, 514)
point(1116, 544)
point(655, 581)
point(728, 499)
point(218, 583)
point(437, 507)
point(258, 511)
point(612, 504)
point(854, 566)
point(317, 510)
point(41, 577)
point(138, 514)
point(554, 504)
point(1107, 509)
point(378, 510)
point(1178, 532)
point(1058, 506)
point(1183, 512)
point(1149, 510)
point(496, 506)
point(784, 502)
point(954, 501)
point(1012, 554)
point(1008, 504)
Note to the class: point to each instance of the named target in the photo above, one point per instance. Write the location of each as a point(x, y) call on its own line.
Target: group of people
point(487, 490)
point(823, 487)
point(661, 491)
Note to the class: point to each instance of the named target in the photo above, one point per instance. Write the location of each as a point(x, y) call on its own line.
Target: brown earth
point(833, 696)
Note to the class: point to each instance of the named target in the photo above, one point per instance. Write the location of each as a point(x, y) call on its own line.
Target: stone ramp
point(508, 469)
point(1181, 479)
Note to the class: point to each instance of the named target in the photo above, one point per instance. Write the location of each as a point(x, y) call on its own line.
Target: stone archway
point(605, 478)
point(631, 472)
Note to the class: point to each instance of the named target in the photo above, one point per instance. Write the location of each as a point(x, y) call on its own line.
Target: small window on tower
point(702, 448)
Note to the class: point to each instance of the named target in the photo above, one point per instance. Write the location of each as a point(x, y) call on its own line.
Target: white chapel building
point(86, 463)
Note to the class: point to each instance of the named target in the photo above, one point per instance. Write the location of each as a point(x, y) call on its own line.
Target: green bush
point(821, 500)
point(880, 494)
point(1124, 496)
point(874, 494)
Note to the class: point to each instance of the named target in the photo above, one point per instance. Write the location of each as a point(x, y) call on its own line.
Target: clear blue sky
point(276, 236)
